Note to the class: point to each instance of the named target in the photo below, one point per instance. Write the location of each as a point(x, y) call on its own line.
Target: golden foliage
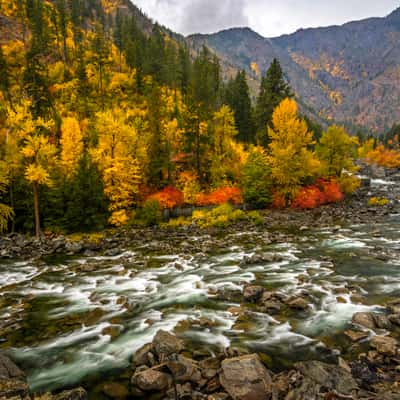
point(290, 159)
point(71, 146)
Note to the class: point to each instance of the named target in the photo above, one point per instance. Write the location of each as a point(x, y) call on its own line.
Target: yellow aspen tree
point(71, 146)
point(115, 156)
point(223, 148)
point(40, 156)
point(28, 149)
point(337, 151)
point(290, 159)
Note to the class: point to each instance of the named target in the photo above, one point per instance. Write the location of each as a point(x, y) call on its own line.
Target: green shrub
point(256, 180)
point(150, 214)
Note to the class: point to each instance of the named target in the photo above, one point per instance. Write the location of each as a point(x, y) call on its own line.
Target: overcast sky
point(267, 17)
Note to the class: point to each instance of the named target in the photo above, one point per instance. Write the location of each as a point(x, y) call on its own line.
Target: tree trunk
point(36, 207)
point(12, 205)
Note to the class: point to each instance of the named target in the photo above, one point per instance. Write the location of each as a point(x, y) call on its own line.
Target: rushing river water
point(76, 320)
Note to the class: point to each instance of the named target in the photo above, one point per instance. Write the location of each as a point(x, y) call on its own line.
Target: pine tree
point(273, 90)
point(237, 96)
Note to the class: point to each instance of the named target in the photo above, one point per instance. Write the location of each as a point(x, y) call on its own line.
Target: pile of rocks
point(162, 367)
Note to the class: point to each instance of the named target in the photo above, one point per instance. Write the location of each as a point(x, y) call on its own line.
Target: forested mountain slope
point(347, 73)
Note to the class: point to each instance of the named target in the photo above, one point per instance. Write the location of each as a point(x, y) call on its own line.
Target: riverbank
point(353, 210)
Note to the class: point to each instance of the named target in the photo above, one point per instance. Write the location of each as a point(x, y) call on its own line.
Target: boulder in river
point(74, 394)
point(253, 293)
point(328, 377)
point(165, 344)
point(151, 380)
point(384, 345)
point(183, 369)
point(364, 319)
point(12, 379)
point(246, 378)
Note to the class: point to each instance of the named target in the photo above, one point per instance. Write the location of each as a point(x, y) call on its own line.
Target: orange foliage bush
point(169, 197)
point(384, 157)
point(278, 201)
point(323, 192)
point(331, 190)
point(220, 196)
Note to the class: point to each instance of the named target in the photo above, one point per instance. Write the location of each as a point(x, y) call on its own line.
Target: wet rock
point(183, 369)
point(9, 370)
point(12, 379)
point(152, 380)
point(141, 357)
point(365, 373)
point(11, 388)
point(253, 293)
point(382, 321)
point(218, 396)
point(73, 247)
point(165, 344)
point(246, 378)
point(384, 345)
point(330, 377)
point(112, 331)
point(394, 319)
point(115, 390)
point(364, 319)
point(272, 307)
point(183, 392)
point(394, 307)
point(356, 336)
point(210, 367)
point(74, 394)
point(298, 303)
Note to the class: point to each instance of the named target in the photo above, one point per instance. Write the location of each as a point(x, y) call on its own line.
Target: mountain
point(349, 73)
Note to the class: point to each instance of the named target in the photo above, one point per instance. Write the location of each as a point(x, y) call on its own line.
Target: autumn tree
point(290, 159)
point(336, 150)
point(115, 156)
point(224, 131)
point(71, 146)
point(39, 155)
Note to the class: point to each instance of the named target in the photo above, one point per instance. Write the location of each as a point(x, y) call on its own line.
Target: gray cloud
point(213, 15)
point(268, 17)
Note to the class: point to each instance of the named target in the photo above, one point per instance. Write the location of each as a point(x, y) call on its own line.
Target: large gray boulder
point(246, 378)
point(327, 376)
point(165, 344)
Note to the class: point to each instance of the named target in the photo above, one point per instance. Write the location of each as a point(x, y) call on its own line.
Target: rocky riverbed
point(303, 306)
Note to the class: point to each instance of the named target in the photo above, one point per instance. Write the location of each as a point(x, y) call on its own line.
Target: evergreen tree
point(237, 96)
point(206, 82)
point(273, 90)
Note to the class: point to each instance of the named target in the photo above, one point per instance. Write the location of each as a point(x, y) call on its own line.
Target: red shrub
point(220, 196)
point(331, 191)
point(169, 197)
point(278, 201)
point(324, 192)
point(308, 197)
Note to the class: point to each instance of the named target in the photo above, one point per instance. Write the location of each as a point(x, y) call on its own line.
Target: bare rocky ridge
point(347, 73)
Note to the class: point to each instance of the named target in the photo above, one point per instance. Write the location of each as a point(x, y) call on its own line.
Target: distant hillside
point(348, 73)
